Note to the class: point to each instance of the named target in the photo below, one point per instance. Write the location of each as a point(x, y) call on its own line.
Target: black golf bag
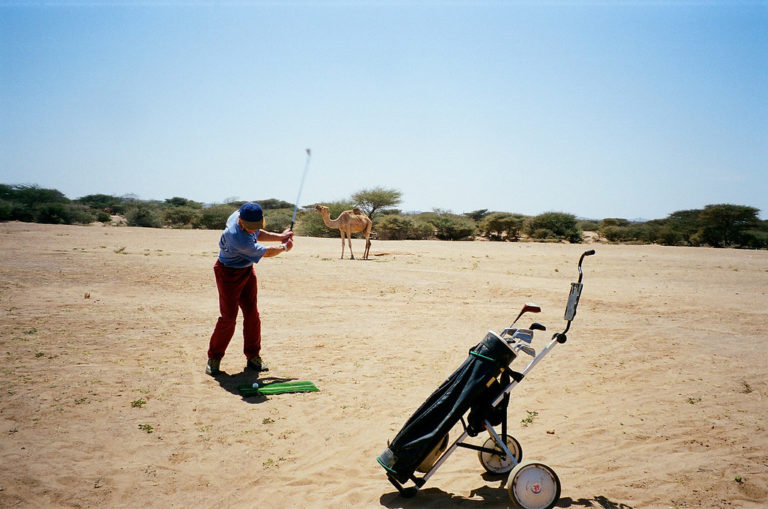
point(471, 387)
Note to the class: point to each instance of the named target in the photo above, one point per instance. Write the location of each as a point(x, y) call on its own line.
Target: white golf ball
point(255, 385)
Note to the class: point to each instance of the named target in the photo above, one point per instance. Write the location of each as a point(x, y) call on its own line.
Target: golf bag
point(472, 387)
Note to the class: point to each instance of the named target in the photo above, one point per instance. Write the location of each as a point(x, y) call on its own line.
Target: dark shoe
point(257, 364)
point(212, 368)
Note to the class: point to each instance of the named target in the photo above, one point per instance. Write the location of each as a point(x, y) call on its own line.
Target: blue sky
point(601, 109)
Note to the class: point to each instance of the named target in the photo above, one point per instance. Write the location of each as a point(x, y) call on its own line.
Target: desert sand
point(658, 399)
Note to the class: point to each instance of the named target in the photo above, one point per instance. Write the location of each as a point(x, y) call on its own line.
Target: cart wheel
point(500, 463)
point(533, 485)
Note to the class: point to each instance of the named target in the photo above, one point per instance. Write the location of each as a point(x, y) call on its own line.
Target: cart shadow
point(487, 496)
point(439, 499)
point(230, 383)
point(598, 501)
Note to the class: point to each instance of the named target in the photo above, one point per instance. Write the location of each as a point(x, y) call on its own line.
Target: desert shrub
point(756, 238)
point(614, 221)
point(554, 225)
point(588, 225)
point(182, 216)
point(103, 202)
point(52, 213)
point(451, 227)
point(404, 227)
point(273, 203)
point(32, 196)
point(423, 231)
point(612, 233)
point(20, 212)
point(5, 210)
point(80, 214)
point(143, 215)
point(501, 225)
point(278, 220)
point(63, 213)
point(543, 234)
point(177, 201)
point(215, 217)
point(395, 227)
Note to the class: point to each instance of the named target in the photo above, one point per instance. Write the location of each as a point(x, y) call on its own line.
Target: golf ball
point(255, 385)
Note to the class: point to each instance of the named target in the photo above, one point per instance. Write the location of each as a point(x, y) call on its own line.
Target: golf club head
point(528, 307)
point(537, 326)
point(525, 335)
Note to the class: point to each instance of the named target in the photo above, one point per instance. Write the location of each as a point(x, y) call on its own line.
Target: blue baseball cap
point(251, 212)
point(252, 216)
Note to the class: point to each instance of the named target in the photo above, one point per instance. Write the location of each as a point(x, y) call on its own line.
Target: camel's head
point(321, 208)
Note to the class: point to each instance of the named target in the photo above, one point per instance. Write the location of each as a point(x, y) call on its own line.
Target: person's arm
point(265, 236)
point(274, 251)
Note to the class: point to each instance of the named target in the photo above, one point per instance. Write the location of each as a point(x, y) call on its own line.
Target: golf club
point(303, 176)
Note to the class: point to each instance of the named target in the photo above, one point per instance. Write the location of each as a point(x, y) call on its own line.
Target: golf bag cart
point(477, 395)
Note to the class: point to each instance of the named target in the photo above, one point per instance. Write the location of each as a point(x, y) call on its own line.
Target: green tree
point(5, 210)
point(450, 226)
point(683, 225)
point(395, 227)
point(724, 225)
point(756, 238)
point(272, 203)
point(278, 219)
point(477, 215)
point(501, 225)
point(554, 225)
point(104, 202)
point(144, 214)
point(35, 195)
point(378, 198)
point(614, 221)
point(177, 201)
point(215, 217)
point(182, 216)
point(64, 213)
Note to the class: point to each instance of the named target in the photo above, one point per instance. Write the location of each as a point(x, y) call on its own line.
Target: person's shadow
point(231, 383)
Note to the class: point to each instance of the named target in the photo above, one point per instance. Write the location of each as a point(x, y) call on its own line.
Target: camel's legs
point(342, 242)
point(367, 248)
point(349, 240)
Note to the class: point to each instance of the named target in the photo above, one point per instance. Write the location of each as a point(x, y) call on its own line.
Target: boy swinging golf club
point(240, 246)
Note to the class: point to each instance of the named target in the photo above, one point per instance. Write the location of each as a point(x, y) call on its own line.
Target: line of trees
point(722, 225)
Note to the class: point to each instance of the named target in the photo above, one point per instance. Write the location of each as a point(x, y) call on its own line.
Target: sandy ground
point(658, 399)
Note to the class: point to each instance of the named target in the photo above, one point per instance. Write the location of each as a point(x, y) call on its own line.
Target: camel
point(349, 222)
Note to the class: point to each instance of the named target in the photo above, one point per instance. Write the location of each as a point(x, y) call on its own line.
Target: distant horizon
point(402, 209)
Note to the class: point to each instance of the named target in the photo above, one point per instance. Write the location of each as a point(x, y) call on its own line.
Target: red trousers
point(237, 288)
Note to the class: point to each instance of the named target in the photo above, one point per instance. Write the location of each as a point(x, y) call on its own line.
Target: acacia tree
point(723, 225)
point(501, 224)
point(554, 225)
point(378, 198)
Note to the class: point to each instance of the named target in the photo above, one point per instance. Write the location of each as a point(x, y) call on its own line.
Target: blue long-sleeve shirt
point(238, 248)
